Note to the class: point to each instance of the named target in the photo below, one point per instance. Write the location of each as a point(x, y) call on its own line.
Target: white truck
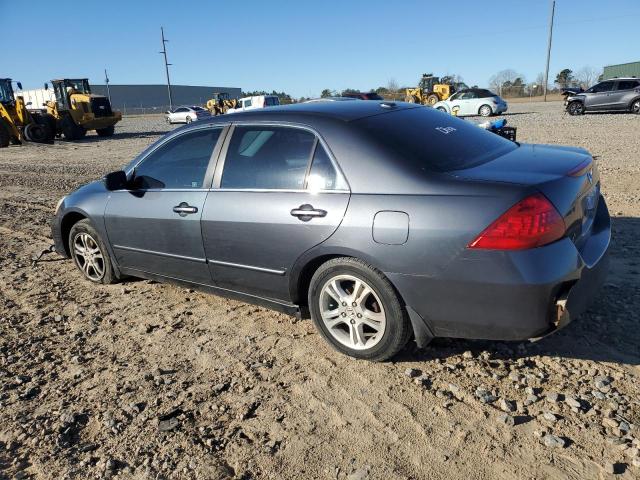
point(253, 103)
point(36, 99)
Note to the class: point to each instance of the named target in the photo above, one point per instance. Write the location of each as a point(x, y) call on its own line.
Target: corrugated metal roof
point(631, 69)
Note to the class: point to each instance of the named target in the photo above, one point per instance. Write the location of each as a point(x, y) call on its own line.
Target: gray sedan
point(382, 221)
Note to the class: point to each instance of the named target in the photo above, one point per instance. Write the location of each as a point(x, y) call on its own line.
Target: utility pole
point(166, 67)
point(106, 81)
point(546, 73)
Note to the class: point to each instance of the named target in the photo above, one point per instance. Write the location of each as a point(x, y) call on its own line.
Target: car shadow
point(118, 135)
point(609, 331)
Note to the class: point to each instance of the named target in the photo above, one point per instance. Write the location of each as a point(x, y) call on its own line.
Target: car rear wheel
point(356, 309)
point(485, 111)
point(575, 108)
point(188, 119)
point(90, 253)
point(635, 107)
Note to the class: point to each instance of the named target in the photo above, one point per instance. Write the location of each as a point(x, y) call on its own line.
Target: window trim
point(217, 176)
point(211, 166)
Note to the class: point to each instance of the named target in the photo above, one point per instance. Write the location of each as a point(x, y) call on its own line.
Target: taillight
point(530, 223)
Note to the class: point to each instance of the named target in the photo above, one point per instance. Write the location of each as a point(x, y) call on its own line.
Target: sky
point(302, 47)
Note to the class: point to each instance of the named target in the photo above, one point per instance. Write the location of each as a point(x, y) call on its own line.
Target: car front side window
point(181, 163)
point(267, 157)
point(602, 87)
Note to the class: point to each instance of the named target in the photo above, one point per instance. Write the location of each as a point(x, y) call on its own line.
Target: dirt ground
point(141, 380)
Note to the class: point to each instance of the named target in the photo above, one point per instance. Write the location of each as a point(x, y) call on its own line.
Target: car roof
point(344, 111)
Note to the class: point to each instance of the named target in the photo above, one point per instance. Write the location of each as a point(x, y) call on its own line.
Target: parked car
point(615, 94)
point(187, 114)
point(255, 102)
point(382, 221)
point(473, 101)
point(363, 96)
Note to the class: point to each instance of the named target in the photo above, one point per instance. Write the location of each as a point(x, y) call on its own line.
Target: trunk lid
point(567, 176)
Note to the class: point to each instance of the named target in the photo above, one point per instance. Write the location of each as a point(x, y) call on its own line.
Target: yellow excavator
point(430, 91)
point(17, 124)
point(221, 103)
point(76, 110)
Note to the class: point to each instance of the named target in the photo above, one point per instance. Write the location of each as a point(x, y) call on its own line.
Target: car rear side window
point(628, 84)
point(323, 174)
point(267, 157)
point(181, 163)
point(424, 140)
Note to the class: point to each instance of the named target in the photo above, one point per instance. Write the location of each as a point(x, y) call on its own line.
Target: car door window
point(181, 163)
point(267, 157)
point(323, 175)
point(469, 96)
point(627, 84)
point(247, 103)
point(602, 87)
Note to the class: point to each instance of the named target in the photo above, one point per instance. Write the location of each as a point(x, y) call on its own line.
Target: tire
point(432, 99)
point(50, 121)
point(71, 130)
point(188, 120)
point(379, 307)
point(106, 132)
point(410, 99)
point(5, 136)
point(635, 107)
point(98, 267)
point(169, 121)
point(37, 133)
point(442, 109)
point(485, 111)
point(575, 108)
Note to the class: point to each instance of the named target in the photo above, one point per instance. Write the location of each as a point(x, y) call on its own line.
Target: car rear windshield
point(427, 140)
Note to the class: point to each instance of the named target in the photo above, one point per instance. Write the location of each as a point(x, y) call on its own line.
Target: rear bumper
point(512, 295)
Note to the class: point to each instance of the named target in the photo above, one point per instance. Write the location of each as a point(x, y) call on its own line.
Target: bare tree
point(392, 85)
point(587, 76)
point(497, 81)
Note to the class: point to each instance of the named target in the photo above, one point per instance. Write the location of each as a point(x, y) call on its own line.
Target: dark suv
point(613, 94)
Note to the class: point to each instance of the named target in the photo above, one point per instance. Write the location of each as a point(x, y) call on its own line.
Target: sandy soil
point(142, 380)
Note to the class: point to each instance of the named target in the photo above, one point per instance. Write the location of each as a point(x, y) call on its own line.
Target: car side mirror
point(115, 181)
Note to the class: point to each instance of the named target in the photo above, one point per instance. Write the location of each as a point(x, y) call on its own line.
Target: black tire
point(106, 132)
point(485, 111)
point(50, 121)
point(432, 99)
point(71, 130)
point(575, 108)
point(37, 133)
point(5, 136)
point(635, 106)
point(106, 275)
point(397, 330)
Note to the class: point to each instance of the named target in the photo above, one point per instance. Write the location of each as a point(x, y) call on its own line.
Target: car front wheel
point(485, 111)
point(90, 253)
point(356, 309)
point(575, 108)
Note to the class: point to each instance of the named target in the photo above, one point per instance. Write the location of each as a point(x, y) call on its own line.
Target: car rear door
point(624, 92)
point(277, 192)
point(154, 225)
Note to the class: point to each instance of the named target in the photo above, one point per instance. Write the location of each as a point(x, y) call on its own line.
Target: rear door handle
point(185, 209)
point(306, 212)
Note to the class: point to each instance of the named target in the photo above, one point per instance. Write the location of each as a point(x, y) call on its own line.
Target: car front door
point(469, 103)
point(276, 194)
point(599, 96)
point(455, 103)
point(154, 225)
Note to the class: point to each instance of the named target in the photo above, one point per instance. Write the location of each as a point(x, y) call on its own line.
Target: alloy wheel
point(635, 108)
point(485, 110)
point(88, 256)
point(352, 312)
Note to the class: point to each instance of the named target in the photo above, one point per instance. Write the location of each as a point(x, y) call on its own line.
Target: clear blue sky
point(304, 46)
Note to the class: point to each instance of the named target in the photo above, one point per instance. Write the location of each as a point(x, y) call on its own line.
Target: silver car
point(615, 94)
point(187, 114)
point(473, 101)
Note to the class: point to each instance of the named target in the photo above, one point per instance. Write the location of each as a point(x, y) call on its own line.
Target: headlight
point(58, 205)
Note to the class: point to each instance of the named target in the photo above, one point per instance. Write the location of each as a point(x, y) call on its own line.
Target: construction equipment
point(17, 123)
point(221, 103)
point(430, 91)
point(76, 110)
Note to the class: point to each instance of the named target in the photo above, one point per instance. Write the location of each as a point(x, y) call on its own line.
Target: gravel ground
point(142, 380)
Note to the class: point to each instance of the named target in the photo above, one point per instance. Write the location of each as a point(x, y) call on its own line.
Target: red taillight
point(530, 223)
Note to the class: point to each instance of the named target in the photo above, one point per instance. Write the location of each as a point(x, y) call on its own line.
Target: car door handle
point(185, 209)
point(306, 212)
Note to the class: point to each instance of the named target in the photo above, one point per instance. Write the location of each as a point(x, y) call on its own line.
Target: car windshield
point(80, 85)
point(425, 140)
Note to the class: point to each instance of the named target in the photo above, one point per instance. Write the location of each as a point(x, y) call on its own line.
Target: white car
point(187, 114)
point(253, 103)
point(473, 101)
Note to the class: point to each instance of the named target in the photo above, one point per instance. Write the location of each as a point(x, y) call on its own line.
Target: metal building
point(154, 99)
point(622, 70)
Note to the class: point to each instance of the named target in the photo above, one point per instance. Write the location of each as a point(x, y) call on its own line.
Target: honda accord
point(381, 221)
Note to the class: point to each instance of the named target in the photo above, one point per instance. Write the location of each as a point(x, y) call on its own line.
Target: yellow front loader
point(221, 103)
point(17, 124)
point(430, 91)
point(76, 110)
